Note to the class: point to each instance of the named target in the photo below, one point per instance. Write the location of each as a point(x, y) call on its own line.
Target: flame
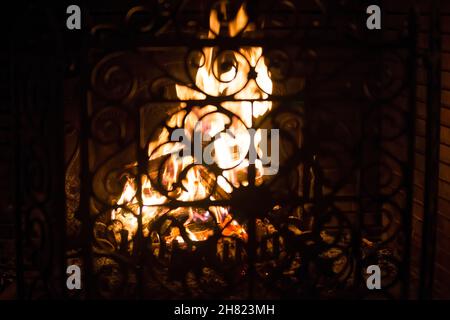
point(244, 78)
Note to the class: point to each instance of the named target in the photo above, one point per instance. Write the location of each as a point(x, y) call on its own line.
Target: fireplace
point(225, 149)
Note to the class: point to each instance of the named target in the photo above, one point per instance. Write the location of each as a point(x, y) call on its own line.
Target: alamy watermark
point(374, 280)
point(373, 22)
point(74, 277)
point(73, 282)
point(73, 21)
point(250, 144)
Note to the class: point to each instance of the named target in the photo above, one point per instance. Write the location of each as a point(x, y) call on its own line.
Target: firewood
point(153, 167)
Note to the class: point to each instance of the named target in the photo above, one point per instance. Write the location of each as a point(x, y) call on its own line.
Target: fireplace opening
point(166, 222)
point(221, 149)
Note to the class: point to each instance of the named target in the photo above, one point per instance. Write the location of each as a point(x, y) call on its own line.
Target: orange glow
point(210, 81)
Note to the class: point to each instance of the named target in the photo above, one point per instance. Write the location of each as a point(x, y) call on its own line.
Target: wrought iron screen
point(146, 224)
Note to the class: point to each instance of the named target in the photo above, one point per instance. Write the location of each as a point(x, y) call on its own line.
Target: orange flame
point(210, 81)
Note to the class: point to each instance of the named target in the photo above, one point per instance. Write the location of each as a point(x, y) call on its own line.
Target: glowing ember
point(214, 80)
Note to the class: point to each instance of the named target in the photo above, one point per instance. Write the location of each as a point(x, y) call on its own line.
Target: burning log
point(208, 180)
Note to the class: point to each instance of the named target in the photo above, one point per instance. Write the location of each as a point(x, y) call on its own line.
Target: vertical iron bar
point(59, 164)
point(359, 219)
point(85, 174)
point(138, 245)
point(252, 222)
point(410, 165)
point(431, 187)
point(17, 200)
point(251, 238)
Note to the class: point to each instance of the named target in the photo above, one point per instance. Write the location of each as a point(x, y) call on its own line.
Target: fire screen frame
point(116, 89)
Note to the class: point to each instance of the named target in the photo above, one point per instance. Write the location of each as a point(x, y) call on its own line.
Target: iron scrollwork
point(165, 227)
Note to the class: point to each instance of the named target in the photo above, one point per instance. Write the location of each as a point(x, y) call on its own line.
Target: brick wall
point(442, 266)
point(441, 285)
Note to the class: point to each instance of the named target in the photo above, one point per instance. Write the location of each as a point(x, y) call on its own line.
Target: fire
point(244, 77)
